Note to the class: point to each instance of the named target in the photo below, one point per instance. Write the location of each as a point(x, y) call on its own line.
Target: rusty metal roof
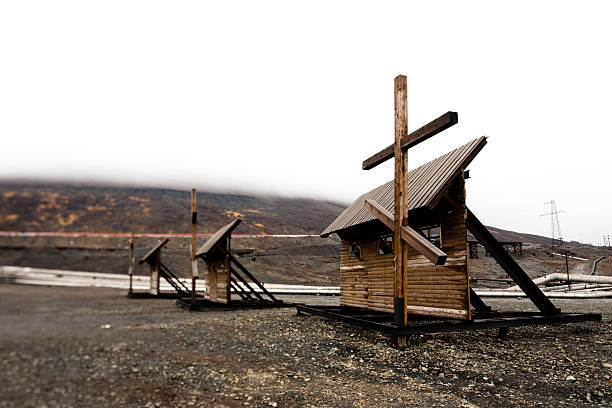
point(425, 184)
point(216, 237)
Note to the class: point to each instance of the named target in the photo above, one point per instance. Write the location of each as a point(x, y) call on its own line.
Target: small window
point(433, 234)
point(385, 244)
point(355, 251)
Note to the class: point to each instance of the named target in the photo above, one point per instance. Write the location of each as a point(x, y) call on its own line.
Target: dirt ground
point(75, 347)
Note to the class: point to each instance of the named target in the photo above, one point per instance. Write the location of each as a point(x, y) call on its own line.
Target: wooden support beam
point(173, 280)
point(478, 303)
point(245, 283)
point(400, 250)
point(251, 277)
point(509, 265)
point(431, 129)
point(131, 267)
point(194, 231)
point(409, 235)
point(239, 290)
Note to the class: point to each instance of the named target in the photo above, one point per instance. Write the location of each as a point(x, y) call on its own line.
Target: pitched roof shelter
point(225, 275)
point(158, 270)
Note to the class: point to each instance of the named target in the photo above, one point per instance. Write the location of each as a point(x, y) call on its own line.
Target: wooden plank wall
point(367, 281)
point(217, 275)
point(154, 286)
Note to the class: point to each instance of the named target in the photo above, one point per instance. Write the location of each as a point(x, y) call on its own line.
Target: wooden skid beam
point(509, 265)
point(409, 235)
point(431, 129)
point(438, 325)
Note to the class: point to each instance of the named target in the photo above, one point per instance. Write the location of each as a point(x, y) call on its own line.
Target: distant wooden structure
point(158, 270)
point(515, 247)
point(404, 249)
point(224, 275)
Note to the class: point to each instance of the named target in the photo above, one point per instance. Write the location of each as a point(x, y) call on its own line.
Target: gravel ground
point(75, 347)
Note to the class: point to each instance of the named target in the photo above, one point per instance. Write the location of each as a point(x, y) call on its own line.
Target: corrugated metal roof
point(216, 237)
point(425, 183)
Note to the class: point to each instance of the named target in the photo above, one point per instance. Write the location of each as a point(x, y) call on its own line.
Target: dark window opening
point(385, 244)
point(433, 234)
point(355, 251)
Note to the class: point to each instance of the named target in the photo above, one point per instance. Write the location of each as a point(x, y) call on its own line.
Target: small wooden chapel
point(437, 211)
point(404, 265)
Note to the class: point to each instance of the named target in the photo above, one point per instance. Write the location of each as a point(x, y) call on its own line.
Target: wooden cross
point(403, 235)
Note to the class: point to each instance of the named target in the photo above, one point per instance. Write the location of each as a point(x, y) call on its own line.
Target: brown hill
point(283, 260)
point(122, 209)
point(104, 209)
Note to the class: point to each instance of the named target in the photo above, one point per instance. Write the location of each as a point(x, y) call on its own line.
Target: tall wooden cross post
point(131, 267)
point(400, 219)
point(194, 261)
point(403, 235)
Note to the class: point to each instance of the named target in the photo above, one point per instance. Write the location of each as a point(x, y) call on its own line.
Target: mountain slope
point(102, 209)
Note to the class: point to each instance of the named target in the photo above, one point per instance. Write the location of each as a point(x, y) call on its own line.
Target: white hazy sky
point(289, 98)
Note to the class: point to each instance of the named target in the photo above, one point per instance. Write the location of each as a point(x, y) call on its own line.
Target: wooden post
point(569, 287)
point(227, 265)
point(400, 249)
point(131, 268)
point(194, 261)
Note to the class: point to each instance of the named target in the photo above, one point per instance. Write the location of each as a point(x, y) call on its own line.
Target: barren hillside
point(312, 260)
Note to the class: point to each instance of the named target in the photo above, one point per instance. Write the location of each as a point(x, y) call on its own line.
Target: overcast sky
point(281, 98)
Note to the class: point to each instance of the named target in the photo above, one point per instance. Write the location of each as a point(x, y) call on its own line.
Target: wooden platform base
point(383, 322)
point(203, 304)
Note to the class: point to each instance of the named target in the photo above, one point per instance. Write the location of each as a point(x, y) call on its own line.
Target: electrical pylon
point(555, 227)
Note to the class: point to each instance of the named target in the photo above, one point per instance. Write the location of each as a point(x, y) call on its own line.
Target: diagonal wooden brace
point(509, 265)
point(410, 236)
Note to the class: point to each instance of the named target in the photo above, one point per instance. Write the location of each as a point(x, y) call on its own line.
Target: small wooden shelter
point(437, 208)
point(158, 270)
point(404, 246)
point(225, 275)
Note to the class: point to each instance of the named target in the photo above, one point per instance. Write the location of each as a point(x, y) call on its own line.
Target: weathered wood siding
point(217, 275)
point(367, 281)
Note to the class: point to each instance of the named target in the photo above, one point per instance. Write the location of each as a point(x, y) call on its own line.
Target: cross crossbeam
point(420, 135)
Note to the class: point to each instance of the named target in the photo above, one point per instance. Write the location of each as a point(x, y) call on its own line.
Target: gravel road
point(75, 347)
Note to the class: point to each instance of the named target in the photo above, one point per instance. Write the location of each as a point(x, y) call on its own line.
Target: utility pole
point(555, 227)
point(606, 241)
